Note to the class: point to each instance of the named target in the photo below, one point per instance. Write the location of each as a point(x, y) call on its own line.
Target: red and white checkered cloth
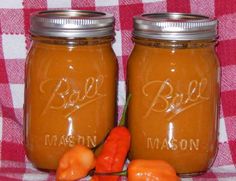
point(14, 42)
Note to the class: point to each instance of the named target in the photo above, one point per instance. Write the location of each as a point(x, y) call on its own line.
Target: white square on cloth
point(222, 129)
point(121, 93)
point(40, 176)
point(186, 179)
point(17, 91)
point(106, 3)
point(14, 46)
point(11, 4)
point(117, 46)
point(59, 3)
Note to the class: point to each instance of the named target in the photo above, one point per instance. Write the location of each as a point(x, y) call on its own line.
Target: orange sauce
point(174, 106)
point(70, 96)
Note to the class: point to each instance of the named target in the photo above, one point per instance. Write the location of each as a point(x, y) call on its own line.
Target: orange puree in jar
point(70, 86)
point(174, 83)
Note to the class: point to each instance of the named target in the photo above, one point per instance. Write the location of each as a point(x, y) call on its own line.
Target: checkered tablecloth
point(15, 41)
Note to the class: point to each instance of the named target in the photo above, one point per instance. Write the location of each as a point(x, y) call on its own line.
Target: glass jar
point(173, 78)
point(71, 77)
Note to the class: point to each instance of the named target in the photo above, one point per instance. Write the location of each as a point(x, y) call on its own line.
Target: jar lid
point(175, 26)
point(71, 23)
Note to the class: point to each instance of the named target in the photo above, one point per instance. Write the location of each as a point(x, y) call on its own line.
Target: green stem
point(121, 173)
point(122, 120)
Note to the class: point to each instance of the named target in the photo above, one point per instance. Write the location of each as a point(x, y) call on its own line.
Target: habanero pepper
point(114, 151)
point(143, 170)
point(159, 170)
point(75, 163)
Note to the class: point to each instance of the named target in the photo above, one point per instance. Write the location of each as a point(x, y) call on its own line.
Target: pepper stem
point(122, 120)
point(121, 173)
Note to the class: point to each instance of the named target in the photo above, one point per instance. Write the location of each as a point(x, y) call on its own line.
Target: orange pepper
point(75, 163)
point(155, 170)
point(142, 170)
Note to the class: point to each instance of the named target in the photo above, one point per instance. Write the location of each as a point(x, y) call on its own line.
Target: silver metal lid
point(175, 26)
point(71, 23)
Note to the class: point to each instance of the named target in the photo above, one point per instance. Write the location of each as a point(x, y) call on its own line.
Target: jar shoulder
point(147, 55)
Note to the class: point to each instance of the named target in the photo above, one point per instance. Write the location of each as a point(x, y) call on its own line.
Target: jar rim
point(175, 26)
point(71, 23)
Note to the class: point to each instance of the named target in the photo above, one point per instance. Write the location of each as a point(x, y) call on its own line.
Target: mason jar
point(173, 80)
point(70, 88)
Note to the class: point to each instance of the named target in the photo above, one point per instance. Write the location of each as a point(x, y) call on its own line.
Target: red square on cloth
point(229, 103)
point(5, 178)
point(3, 72)
point(227, 56)
point(224, 7)
point(182, 6)
point(13, 151)
point(127, 12)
